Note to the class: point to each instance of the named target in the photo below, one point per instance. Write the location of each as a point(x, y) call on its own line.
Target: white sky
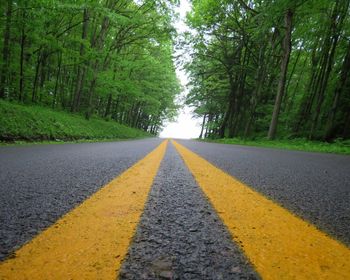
point(185, 126)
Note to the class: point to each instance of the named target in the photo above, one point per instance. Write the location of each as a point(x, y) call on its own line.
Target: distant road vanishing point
point(172, 209)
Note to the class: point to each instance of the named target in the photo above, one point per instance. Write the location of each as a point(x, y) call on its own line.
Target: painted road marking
point(279, 244)
point(91, 241)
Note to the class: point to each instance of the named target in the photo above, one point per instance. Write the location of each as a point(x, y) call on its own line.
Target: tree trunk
point(62, 93)
point(108, 107)
point(90, 109)
point(97, 43)
point(307, 100)
point(35, 83)
point(202, 129)
point(337, 19)
point(346, 130)
point(57, 80)
point(230, 107)
point(287, 46)
point(290, 103)
point(224, 122)
point(81, 69)
point(6, 49)
point(259, 78)
point(344, 76)
point(21, 96)
point(286, 98)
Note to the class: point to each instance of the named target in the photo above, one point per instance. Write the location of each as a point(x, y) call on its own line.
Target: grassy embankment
point(19, 123)
point(338, 147)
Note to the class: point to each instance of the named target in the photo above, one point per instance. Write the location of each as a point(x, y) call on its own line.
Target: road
point(315, 186)
point(161, 218)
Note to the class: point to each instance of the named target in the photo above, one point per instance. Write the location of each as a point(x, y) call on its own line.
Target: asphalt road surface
point(41, 183)
point(180, 234)
point(315, 186)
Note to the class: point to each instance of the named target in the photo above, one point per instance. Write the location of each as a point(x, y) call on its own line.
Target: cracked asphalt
point(180, 236)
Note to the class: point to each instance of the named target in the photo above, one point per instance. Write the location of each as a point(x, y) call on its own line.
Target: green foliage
point(111, 59)
point(114, 59)
point(338, 147)
point(237, 49)
point(35, 123)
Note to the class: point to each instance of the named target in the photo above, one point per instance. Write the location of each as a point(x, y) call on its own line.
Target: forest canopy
point(108, 58)
point(257, 68)
point(276, 68)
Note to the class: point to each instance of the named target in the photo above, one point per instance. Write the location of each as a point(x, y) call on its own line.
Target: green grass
point(20, 123)
point(338, 147)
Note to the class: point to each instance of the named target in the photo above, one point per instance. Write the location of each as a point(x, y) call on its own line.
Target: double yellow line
point(91, 241)
point(279, 244)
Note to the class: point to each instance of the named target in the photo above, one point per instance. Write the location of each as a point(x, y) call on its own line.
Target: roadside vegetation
point(95, 59)
point(337, 147)
point(257, 69)
point(35, 123)
point(273, 69)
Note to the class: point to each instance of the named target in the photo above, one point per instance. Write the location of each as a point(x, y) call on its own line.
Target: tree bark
point(35, 83)
point(287, 46)
point(286, 98)
point(337, 19)
point(81, 69)
point(90, 109)
point(57, 80)
point(306, 103)
point(230, 107)
point(108, 107)
point(21, 96)
point(344, 76)
point(6, 49)
point(97, 43)
point(253, 102)
point(202, 129)
point(346, 130)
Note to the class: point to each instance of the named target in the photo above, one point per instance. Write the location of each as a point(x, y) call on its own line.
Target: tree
point(242, 51)
point(286, 47)
point(111, 59)
point(6, 49)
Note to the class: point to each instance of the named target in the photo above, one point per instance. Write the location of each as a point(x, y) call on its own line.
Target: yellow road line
point(279, 244)
point(91, 241)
